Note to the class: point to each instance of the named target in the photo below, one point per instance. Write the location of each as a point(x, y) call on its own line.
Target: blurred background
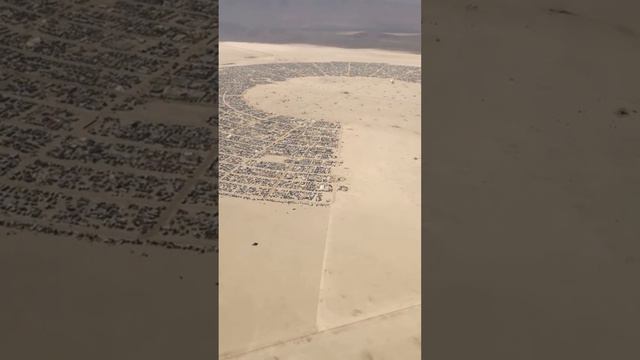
point(380, 24)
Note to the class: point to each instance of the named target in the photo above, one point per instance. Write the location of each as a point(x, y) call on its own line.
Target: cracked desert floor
point(320, 203)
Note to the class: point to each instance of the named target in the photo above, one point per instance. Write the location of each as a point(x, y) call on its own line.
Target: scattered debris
point(622, 112)
point(561, 12)
point(471, 7)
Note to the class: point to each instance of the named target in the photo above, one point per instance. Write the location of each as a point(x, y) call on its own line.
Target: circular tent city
point(279, 158)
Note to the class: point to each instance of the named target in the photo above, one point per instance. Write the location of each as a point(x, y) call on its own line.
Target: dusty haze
point(383, 24)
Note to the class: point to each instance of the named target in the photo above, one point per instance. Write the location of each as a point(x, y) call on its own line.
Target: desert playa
point(108, 162)
point(320, 206)
point(532, 154)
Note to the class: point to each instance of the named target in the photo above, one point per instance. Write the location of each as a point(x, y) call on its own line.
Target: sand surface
point(333, 266)
point(394, 335)
point(125, 303)
point(268, 292)
point(531, 172)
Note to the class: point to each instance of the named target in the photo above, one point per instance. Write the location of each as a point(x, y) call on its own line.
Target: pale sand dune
point(356, 259)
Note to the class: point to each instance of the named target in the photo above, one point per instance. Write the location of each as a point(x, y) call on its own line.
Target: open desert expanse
point(338, 273)
point(531, 170)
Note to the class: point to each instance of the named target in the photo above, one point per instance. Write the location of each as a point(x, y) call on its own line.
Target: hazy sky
point(369, 15)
